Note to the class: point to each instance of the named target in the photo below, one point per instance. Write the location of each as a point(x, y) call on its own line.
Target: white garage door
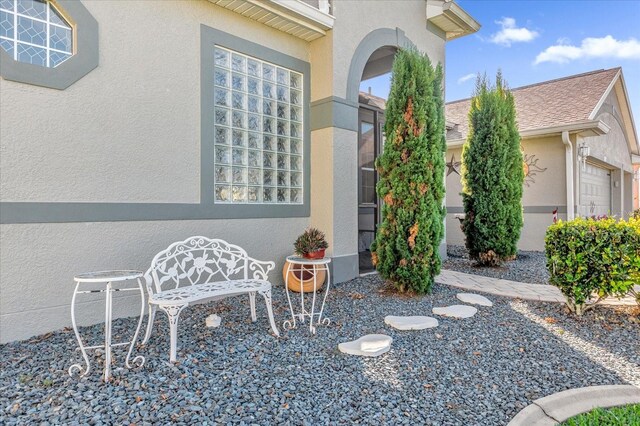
point(595, 191)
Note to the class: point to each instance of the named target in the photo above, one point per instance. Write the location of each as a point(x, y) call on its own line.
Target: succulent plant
point(311, 240)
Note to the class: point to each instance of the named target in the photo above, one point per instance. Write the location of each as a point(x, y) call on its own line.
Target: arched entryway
point(373, 58)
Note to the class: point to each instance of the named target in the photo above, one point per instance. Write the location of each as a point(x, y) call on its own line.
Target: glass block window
point(34, 32)
point(258, 133)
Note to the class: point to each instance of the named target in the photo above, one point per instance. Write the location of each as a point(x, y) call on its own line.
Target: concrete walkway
point(525, 291)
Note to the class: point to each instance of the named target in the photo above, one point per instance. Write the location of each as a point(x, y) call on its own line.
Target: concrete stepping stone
point(474, 299)
point(456, 311)
point(410, 323)
point(369, 345)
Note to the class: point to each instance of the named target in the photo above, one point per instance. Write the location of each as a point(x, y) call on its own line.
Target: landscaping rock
point(369, 345)
point(474, 299)
point(213, 321)
point(456, 311)
point(240, 373)
point(528, 267)
point(411, 323)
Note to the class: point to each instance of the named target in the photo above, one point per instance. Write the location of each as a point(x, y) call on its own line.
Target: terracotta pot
point(302, 280)
point(318, 254)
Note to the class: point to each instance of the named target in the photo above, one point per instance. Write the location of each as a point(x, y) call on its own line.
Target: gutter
point(569, 174)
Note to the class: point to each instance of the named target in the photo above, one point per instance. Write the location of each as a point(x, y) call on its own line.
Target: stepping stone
point(456, 311)
point(474, 299)
point(213, 320)
point(411, 323)
point(369, 345)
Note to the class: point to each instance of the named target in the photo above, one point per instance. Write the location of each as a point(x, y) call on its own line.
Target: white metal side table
point(301, 265)
point(108, 278)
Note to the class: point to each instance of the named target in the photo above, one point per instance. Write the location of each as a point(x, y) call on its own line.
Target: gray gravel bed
point(529, 266)
point(477, 371)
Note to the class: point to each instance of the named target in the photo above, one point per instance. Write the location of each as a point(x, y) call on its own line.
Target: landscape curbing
point(558, 407)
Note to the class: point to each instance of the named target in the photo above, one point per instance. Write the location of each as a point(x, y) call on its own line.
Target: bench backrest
point(197, 260)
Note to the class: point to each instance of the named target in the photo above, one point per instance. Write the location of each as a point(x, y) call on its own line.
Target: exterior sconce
point(583, 152)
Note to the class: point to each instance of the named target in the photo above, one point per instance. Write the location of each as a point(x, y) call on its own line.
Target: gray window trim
point(209, 38)
point(62, 212)
point(73, 69)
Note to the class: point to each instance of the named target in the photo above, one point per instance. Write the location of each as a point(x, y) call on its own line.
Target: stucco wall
point(611, 148)
point(355, 19)
point(39, 261)
point(544, 191)
point(129, 131)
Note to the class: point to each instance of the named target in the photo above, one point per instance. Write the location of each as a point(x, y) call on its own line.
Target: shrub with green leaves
point(411, 170)
point(591, 259)
point(492, 175)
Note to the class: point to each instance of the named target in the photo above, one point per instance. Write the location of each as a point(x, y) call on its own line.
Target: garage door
point(595, 191)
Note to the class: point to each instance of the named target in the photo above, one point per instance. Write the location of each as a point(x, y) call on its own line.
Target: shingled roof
point(551, 103)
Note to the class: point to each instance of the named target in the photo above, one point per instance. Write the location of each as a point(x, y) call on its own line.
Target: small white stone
point(369, 345)
point(456, 311)
point(213, 320)
point(474, 299)
point(411, 323)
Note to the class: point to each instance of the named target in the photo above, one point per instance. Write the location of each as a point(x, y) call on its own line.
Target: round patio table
point(300, 265)
point(112, 281)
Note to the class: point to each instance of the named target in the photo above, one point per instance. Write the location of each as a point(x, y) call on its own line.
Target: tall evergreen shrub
point(411, 171)
point(492, 175)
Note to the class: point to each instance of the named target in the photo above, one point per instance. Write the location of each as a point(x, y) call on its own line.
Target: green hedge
point(591, 259)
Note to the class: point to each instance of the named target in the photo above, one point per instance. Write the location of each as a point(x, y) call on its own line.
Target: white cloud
point(591, 47)
point(510, 33)
point(465, 78)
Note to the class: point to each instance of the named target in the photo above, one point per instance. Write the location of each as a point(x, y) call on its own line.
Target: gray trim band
point(26, 212)
point(73, 69)
point(527, 209)
point(334, 112)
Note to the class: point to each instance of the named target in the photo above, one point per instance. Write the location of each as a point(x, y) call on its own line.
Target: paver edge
point(625, 394)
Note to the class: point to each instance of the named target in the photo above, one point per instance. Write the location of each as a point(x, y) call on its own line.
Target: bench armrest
point(258, 270)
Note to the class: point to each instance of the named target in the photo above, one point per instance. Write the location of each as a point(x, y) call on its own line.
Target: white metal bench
point(200, 269)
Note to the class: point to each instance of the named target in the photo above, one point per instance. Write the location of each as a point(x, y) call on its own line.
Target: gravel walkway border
point(561, 406)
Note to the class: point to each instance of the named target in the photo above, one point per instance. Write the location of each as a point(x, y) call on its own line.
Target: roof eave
point(294, 17)
point(583, 128)
point(453, 20)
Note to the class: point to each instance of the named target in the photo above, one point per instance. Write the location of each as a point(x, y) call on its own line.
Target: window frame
point(84, 59)
point(210, 38)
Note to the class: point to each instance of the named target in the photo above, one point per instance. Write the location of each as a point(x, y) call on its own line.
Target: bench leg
point(267, 298)
point(173, 313)
point(252, 303)
point(152, 317)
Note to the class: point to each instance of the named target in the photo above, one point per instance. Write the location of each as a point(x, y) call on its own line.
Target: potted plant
point(311, 244)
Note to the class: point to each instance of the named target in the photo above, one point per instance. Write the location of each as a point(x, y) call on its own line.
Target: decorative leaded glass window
point(258, 135)
point(35, 32)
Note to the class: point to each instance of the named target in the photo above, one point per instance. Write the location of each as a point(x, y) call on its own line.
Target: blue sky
point(533, 41)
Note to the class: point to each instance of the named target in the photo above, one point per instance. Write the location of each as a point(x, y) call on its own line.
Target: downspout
point(569, 174)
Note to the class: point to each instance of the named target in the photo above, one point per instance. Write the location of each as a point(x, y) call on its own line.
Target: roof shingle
point(547, 104)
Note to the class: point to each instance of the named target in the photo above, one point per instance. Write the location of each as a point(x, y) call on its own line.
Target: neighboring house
point(128, 125)
point(580, 146)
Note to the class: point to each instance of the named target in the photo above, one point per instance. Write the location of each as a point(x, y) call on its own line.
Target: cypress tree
point(411, 176)
point(492, 175)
